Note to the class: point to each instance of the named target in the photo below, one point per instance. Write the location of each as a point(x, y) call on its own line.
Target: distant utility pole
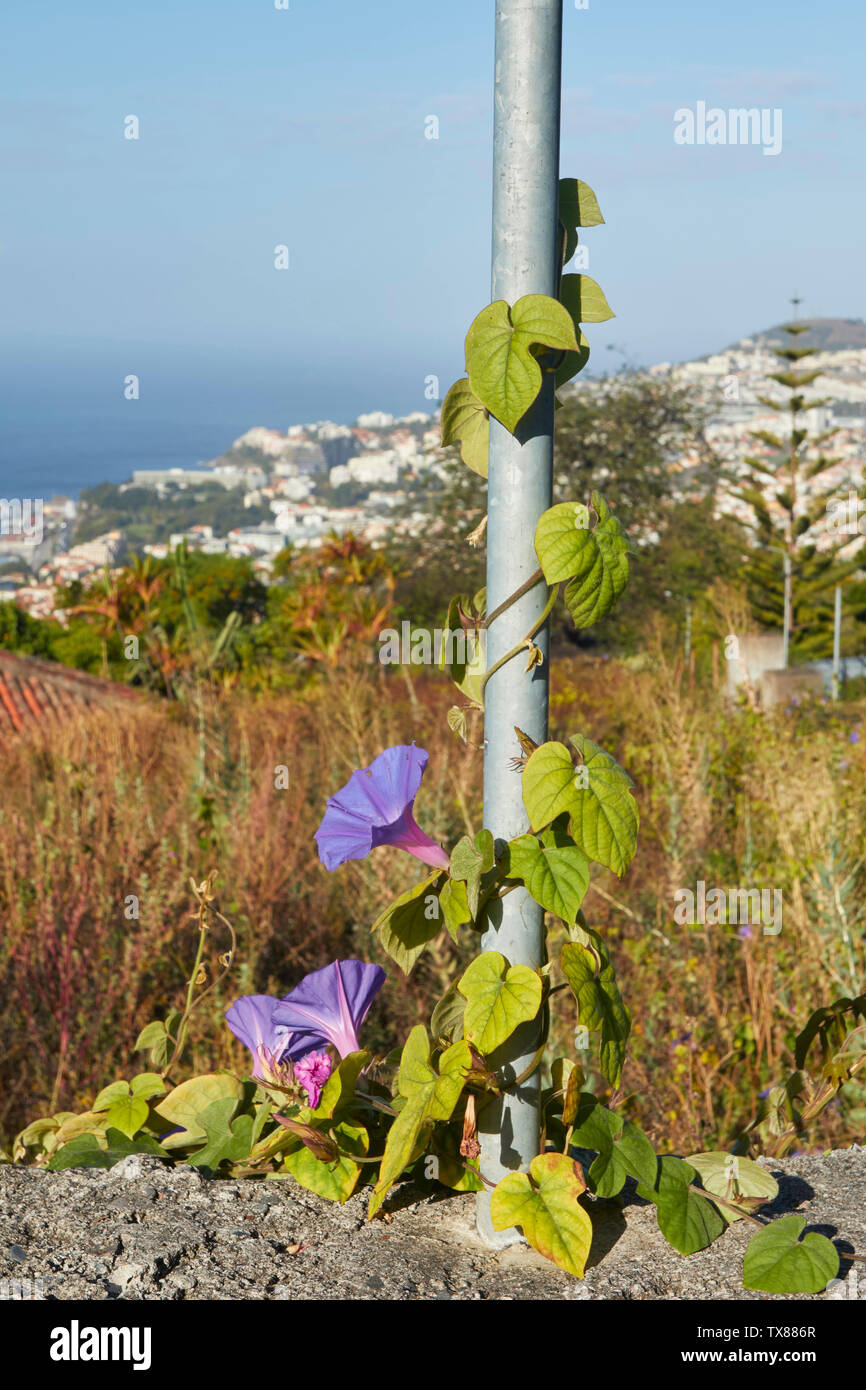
point(526, 101)
point(837, 642)
point(796, 301)
point(786, 607)
point(786, 638)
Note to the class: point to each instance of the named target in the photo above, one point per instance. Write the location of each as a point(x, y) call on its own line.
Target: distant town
point(298, 486)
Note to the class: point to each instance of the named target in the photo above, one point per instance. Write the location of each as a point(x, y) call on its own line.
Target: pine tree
point(789, 510)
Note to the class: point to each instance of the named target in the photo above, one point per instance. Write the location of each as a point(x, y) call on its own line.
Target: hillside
point(828, 335)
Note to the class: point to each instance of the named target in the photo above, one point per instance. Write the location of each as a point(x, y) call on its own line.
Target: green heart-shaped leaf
point(408, 923)
point(470, 861)
point(455, 906)
point(778, 1261)
point(335, 1181)
point(564, 543)
point(503, 372)
point(687, 1220)
point(228, 1139)
point(584, 299)
point(498, 998)
point(599, 1003)
point(118, 1090)
point(146, 1085)
point(592, 593)
point(466, 421)
point(604, 814)
point(128, 1114)
point(623, 1150)
point(548, 784)
point(578, 207)
point(555, 871)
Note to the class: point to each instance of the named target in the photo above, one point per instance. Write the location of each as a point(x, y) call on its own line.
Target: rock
point(102, 1234)
point(134, 1167)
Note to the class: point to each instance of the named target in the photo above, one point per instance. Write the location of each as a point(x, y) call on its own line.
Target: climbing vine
point(317, 1106)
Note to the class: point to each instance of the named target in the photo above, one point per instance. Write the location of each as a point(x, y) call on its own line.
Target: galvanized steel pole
point(527, 89)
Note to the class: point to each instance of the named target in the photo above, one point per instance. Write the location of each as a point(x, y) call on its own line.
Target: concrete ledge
point(145, 1231)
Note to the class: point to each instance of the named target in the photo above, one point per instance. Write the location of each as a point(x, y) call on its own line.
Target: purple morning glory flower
point(312, 1072)
point(762, 1095)
point(252, 1021)
point(854, 736)
point(329, 1005)
point(745, 933)
point(375, 808)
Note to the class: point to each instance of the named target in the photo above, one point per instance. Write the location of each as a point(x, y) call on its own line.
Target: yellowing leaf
point(429, 1096)
point(186, 1102)
point(544, 1204)
point(737, 1178)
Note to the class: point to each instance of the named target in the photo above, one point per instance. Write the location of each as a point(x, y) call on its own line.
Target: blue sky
point(306, 127)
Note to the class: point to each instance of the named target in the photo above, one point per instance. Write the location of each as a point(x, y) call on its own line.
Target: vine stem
point(525, 587)
point(525, 1075)
point(536, 626)
point(191, 1005)
point(180, 1041)
point(747, 1216)
point(732, 1206)
point(820, 1100)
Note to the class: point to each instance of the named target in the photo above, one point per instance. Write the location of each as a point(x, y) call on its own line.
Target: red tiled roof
point(32, 689)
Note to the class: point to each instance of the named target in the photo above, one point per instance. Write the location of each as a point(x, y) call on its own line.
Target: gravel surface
point(142, 1230)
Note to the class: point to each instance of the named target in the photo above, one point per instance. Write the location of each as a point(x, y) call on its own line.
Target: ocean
point(64, 429)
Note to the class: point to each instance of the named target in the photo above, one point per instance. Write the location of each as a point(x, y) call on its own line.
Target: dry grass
point(109, 809)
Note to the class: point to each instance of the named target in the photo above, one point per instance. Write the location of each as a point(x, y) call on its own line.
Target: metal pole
point(786, 640)
point(527, 86)
point(837, 641)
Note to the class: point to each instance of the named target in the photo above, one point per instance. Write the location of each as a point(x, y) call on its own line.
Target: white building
point(264, 441)
point(255, 540)
point(382, 466)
